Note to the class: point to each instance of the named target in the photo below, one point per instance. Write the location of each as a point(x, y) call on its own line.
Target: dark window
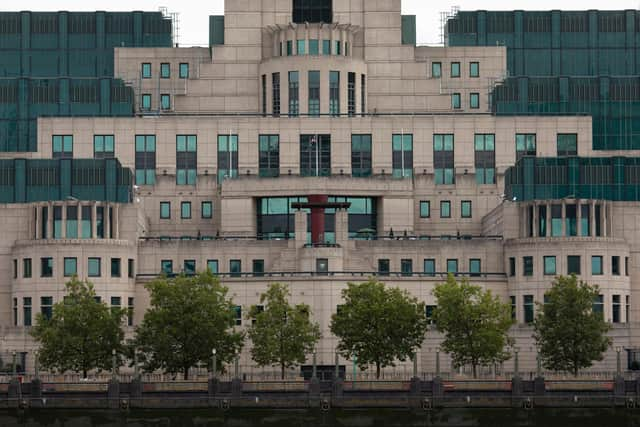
point(146, 70)
point(264, 94)
point(26, 268)
point(130, 268)
point(166, 265)
point(315, 155)
point(130, 311)
point(15, 312)
point(258, 267)
point(189, 266)
point(452, 266)
point(615, 309)
point(314, 47)
point(235, 267)
point(465, 209)
point(238, 310)
point(312, 11)
point(436, 70)
point(275, 87)
point(474, 69)
point(94, 267)
point(512, 266)
point(212, 266)
point(430, 267)
point(165, 70)
point(445, 209)
point(351, 94)
point(46, 307)
point(527, 266)
point(314, 93)
point(615, 265)
point(626, 266)
point(326, 47)
point(294, 89)
point(598, 305)
point(475, 267)
point(406, 267)
point(165, 210)
point(115, 267)
point(206, 210)
point(103, 146)
point(383, 267)
point(322, 266)
point(26, 311)
point(485, 158)
point(46, 267)
point(363, 94)
point(62, 146)
point(361, 155)
point(443, 159)
point(184, 70)
point(528, 308)
point(425, 209)
point(525, 145)
point(429, 309)
point(334, 93)
point(402, 155)
point(227, 157)
point(185, 210)
point(513, 307)
point(573, 264)
point(145, 159)
point(596, 266)
point(567, 144)
point(269, 155)
point(186, 159)
point(549, 265)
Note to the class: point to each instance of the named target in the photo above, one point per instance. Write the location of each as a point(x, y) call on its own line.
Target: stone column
point(578, 217)
point(116, 221)
point(106, 221)
point(38, 222)
point(592, 219)
point(548, 220)
point(603, 219)
point(63, 228)
point(79, 221)
point(300, 228)
point(49, 220)
point(342, 227)
point(534, 219)
point(564, 218)
point(94, 221)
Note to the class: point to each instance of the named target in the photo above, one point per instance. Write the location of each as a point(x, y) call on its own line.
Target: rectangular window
point(294, 89)
point(406, 267)
point(573, 264)
point(525, 145)
point(361, 159)
point(513, 307)
point(227, 157)
point(165, 101)
point(258, 267)
point(527, 266)
point(166, 266)
point(425, 209)
point(627, 308)
point(436, 70)
point(314, 93)
point(184, 70)
point(145, 104)
point(383, 267)
point(269, 156)
point(326, 47)
point(145, 159)
point(430, 267)
point(94, 267)
point(615, 265)
point(598, 305)
point(26, 311)
point(46, 307)
point(485, 158)
point(15, 268)
point(115, 267)
point(615, 309)
point(206, 210)
point(351, 94)
point(315, 155)
point(475, 267)
point(556, 220)
point(62, 146)
point(314, 47)
point(146, 70)
point(289, 47)
point(455, 69)
point(512, 266)
point(189, 266)
point(549, 265)
point(57, 222)
point(235, 267)
point(185, 210)
point(626, 266)
point(567, 144)
point(443, 159)
point(165, 70)
point(585, 220)
point(445, 209)
point(26, 268)
point(212, 266)
point(528, 309)
point(474, 100)
point(130, 268)
point(542, 221)
point(275, 87)
point(363, 94)
point(596, 265)
point(116, 302)
point(452, 266)
point(72, 222)
point(402, 155)
point(46, 267)
point(165, 210)
point(238, 310)
point(465, 209)
point(429, 310)
point(334, 93)
point(186, 159)
point(322, 266)
point(15, 312)
point(300, 47)
point(103, 147)
point(130, 311)
point(338, 48)
point(474, 69)
point(264, 95)
point(456, 101)
point(571, 223)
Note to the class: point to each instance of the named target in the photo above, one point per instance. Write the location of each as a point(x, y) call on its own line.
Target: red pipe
point(317, 219)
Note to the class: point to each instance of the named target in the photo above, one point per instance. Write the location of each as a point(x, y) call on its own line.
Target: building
point(399, 154)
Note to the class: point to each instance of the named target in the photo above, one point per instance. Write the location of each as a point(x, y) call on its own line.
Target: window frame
point(444, 203)
point(185, 214)
point(165, 204)
point(426, 212)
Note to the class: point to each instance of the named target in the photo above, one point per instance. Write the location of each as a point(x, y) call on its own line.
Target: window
point(235, 267)
point(383, 267)
point(556, 220)
point(567, 144)
point(145, 159)
point(145, 104)
point(315, 155)
point(116, 302)
point(275, 87)
point(485, 158)
point(334, 93)
point(525, 145)
point(314, 93)
point(46, 307)
point(430, 267)
point(186, 159)
point(615, 308)
point(165, 70)
point(474, 100)
point(452, 266)
point(338, 48)
point(26, 311)
point(15, 312)
point(94, 267)
point(445, 209)
point(46, 267)
point(314, 47)
point(289, 47)
point(528, 309)
point(549, 265)
point(185, 210)
point(361, 156)
point(115, 267)
point(455, 69)
point(130, 268)
point(294, 89)
point(15, 268)
point(227, 157)
point(615, 265)
point(146, 70)
point(57, 222)
point(312, 11)
point(351, 94)
point(627, 308)
point(165, 210)
point(596, 265)
point(626, 266)
point(513, 307)
point(465, 209)
point(269, 156)
point(72, 222)
point(475, 267)
point(406, 267)
point(238, 310)
point(512, 267)
point(166, 266)
point(62, 146)
point(322, 266)
point(474, 69)
point(212, 266)
point(103, 147)
point(326, 47)
point(598, 305)
point(363, 94)
point(573, 264)
point(429, 309)
point(130, 311)
point(425, 209)
point(189, 266)
point(443, 159)
point(26, 268)
point(258, 267)
point(206, 210)
point(300, 45)
point(456, 102)
point(436, 70)
point(402, 160)
point(184, 70)
point(527, 266)
point(165, 101)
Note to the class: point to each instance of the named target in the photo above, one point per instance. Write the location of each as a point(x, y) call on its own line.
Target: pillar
point(79, 221)
point(317, 219)
point(49, 221)
point(579, 217)
point(548, 220)
point(106, 221)
point(603, 219)
point(534, 226)
point(342, 227)
point(38, 222)
point(592, 219)
point(63, 228)
point(564, 218)
point(116, 221)
point(94, 222)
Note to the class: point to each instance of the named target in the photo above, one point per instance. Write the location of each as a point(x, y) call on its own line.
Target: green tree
point(81, 333)
point(378, 325)
point(569, 334)
point(474, 322)
point(282, 334)
point(189, 316)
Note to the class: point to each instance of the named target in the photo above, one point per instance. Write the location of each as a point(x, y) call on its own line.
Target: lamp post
point(214, 364)
point(237, 367)
point(314, 372)
point(516, 351)
point(437, 362)
point(113, 364)
point(36, 364)
point(618, 361)
point(13, 354)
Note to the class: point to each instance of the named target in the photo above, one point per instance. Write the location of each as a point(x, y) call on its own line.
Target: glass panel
point(430, 267)
point(550, 265)
point(313, 47)
point(452, 266)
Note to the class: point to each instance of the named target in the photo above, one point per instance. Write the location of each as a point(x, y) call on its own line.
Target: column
point(116, 221)
point(38, 221)
point(63, 228)
point(79, 222)
point(603, 219)
point(534, 226)
point(300, 228)
point(592, 219)
point(564, 218)
point(94, 222)
point(548, 219)
point(107, 221)
point(49, 221)
point(579, 217)
point(342, 227)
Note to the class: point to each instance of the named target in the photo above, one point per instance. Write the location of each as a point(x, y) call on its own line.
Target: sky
point(194, 24)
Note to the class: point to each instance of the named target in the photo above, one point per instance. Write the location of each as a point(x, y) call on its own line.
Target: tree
point(474, 322)
point(81, 333)
point(569, 334)
point(189, 316)
point(378, 325)
point(282, 334)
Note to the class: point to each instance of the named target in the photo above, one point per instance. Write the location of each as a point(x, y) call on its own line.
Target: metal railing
point(442, 275)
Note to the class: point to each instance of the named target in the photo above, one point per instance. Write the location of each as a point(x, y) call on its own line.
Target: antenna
point(175, 23)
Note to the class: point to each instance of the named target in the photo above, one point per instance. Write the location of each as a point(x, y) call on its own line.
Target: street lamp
point(214, 364)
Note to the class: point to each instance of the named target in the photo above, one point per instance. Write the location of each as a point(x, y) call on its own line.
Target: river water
point(347, 418)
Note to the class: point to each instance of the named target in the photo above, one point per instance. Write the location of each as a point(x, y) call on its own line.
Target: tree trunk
point(377, 370)
point(282, 371)
point(186, 372)
point(84, 374)
point(475, 370)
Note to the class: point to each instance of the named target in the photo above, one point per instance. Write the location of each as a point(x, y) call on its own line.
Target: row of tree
point(377, 325)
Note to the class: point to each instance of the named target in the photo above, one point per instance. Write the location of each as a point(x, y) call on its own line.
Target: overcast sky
point(194, 22)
